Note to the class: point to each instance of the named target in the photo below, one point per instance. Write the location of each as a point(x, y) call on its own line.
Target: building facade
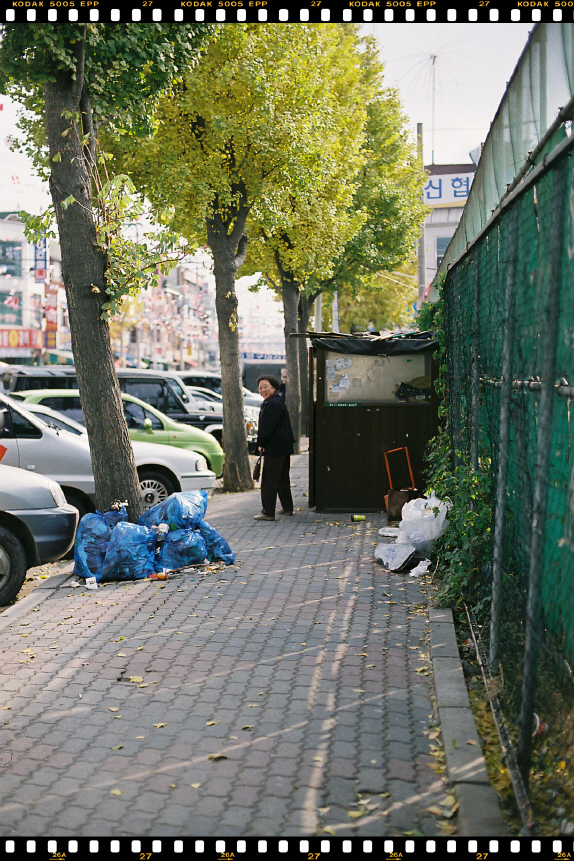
point(446, 191)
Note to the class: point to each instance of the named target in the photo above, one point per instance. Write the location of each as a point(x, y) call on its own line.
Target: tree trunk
point(83, 269)
point(228, 255)
point(305, 307)
point(290, 294)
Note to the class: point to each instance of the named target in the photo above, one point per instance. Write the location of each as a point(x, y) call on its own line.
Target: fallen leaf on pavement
point(117, 747)
point(115, 792)
point(356, 814)
point(216, 756)
point(195, 785)
point(211, 723)
point(136, 678)
point(158, 725)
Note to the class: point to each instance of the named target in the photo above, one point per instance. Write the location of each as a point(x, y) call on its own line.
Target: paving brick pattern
point(298, 665)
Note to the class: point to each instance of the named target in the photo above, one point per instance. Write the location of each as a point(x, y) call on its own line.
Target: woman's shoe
point(262, 517)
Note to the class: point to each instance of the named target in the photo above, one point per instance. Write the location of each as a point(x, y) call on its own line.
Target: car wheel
point(12, 566)
point(155, 488)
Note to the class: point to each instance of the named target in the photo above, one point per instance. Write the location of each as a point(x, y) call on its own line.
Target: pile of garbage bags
point(173, 534)
point(423, 521)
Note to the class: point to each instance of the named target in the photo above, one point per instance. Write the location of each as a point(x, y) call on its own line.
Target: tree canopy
point(269, 115)
point(74, 78)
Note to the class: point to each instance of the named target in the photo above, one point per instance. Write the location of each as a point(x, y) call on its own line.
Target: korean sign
point(448, 188)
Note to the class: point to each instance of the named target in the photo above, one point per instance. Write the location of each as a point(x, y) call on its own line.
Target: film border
point(286, 11)
point(304, 848)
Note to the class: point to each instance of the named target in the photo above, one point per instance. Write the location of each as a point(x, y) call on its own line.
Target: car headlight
point(201, 464)
point(57, 493)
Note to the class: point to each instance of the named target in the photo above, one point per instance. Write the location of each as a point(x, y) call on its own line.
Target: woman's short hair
point(273, 381)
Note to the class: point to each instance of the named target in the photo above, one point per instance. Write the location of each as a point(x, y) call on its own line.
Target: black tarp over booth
point(368, 395)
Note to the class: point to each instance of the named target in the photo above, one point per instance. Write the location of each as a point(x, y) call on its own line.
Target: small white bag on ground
point(420, 526)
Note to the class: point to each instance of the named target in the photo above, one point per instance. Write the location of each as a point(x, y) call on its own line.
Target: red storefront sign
point(16, 339)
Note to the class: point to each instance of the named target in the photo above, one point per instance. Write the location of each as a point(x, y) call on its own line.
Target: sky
point(473, 64)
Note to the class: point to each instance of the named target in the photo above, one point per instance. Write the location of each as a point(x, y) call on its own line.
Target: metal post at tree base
point(503, 443)
point(533, 628)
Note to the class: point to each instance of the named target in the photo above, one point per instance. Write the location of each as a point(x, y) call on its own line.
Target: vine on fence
point(462, 554)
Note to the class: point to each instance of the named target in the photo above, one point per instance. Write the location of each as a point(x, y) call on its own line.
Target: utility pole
point(421, 250)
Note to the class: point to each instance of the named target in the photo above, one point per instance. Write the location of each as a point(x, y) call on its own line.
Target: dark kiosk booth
point(369, 396)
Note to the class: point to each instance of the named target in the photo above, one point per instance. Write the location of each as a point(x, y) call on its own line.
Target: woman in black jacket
point(275, 442)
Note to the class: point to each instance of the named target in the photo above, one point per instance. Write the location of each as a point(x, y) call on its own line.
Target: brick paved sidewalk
point(296, 669)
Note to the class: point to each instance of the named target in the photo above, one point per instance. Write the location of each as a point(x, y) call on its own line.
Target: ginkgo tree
point(74, 78)
point(324, 242)
point(270, 113)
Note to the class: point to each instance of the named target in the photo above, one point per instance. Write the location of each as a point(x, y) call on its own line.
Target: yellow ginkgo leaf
point(136, 678)
point(159, 725)
point(195, 785)
point(215, 757)
point(115, 792)
point(356, 814)
point(211, 723)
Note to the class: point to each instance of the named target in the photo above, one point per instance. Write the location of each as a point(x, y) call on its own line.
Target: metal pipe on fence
point(503, 443)
point(545, 415)
point(474, 373)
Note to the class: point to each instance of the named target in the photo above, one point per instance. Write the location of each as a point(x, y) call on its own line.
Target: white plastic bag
point(394, 557)
point(419, 524)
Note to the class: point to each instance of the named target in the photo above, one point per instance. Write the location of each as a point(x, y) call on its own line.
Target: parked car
point(145, 424)
point(163, 390)
point(37, 525)
point(211, 381)
point(251, 413)
point(32, 445)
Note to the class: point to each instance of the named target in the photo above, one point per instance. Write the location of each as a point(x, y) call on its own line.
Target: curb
point(479, 813)
point(36, 596)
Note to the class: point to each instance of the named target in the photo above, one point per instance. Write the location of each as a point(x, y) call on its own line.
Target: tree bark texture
point(305, 308)
point(83, 269)
point(228, 254)
point(290, 295)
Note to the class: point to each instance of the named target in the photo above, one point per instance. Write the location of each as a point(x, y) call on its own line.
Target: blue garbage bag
point(130, 553)
point(218, 550)
point(181, 547)
point(180, 510)
point(90, 545)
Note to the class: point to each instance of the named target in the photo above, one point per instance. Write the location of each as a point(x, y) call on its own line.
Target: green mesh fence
point(514, 290)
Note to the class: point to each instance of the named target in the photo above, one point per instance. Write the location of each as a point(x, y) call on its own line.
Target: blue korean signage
point(448, 188)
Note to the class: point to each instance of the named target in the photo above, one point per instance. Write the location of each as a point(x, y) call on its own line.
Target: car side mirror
point(147, 425)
